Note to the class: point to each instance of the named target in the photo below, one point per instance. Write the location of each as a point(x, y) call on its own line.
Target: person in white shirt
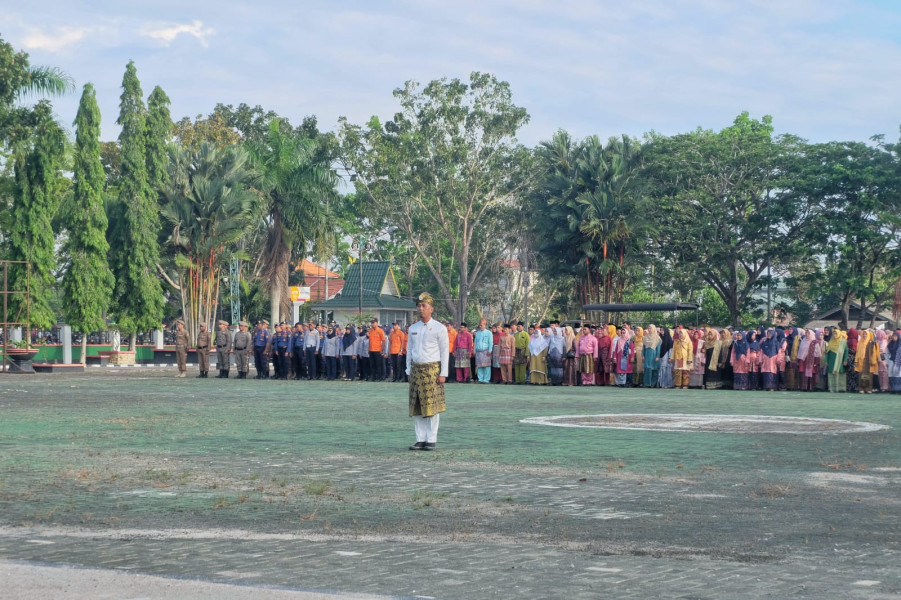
point(427, 358)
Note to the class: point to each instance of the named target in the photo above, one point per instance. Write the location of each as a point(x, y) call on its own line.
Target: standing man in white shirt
point(427, 358)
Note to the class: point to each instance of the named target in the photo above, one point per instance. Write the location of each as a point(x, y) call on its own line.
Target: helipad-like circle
point(710, 423)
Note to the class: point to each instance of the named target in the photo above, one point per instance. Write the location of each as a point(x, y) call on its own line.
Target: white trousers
point(426, 428)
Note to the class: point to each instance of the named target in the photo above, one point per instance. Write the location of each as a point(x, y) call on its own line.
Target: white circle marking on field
point(749, 424)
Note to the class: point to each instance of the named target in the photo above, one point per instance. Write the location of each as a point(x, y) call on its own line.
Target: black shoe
point(224, 374)
point(429, 446)
point(418, 446)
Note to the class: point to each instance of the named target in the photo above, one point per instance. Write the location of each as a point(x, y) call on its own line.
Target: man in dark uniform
point(223, 350)
point(311, 349)
point(181, 348)
point(297, 354)
point(281, 345)
point(261, 347)
point(203, 351)
point(241, 346)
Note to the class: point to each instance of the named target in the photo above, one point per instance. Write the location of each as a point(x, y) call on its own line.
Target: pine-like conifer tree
point(88, 281)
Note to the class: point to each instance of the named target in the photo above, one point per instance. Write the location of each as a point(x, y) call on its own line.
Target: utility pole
point(358, 245)
point(234, 288)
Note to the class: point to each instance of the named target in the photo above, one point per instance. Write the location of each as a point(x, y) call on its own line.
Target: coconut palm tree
point(295, 183)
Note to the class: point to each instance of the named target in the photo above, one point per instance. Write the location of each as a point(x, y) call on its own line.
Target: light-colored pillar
point(158, 339)
point(15, 334)
point(65, 333)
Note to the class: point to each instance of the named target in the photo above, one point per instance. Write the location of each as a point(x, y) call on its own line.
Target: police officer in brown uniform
point(223, 350)
point(242, 346)
point(203, 350)
point(181, 348)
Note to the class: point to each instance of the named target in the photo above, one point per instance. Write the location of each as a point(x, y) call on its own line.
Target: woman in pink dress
point(696, 379)
point(587, 355)
point(621, 352)
point(809, 356)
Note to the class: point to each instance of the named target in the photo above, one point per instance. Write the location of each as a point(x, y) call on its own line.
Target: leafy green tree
point(208, 205)
point(447, 174)
point(858, 238)
point(212, 130)
point(87, 280)
point(159, 129)
point(296, 184)
point(725, 209)
point(38, 187)
point(138, 294)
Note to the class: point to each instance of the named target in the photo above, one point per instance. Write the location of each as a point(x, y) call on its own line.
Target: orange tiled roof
point(311, 269)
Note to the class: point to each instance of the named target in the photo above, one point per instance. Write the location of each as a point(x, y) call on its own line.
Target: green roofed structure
point(380, 296)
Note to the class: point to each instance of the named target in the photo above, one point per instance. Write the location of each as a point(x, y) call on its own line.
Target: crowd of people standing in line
point(784, 358)
point(769, 359)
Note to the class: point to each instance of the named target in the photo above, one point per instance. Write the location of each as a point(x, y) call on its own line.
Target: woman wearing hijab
point(622, 354)
point(882, 342)
point(569, 356)
point(696, 378)
point(587, 355)
point(650, 356)
point(853, 378)
point(867, 361)
point(602, 364)
point(793, 340)
point(893, 358)
point(808, 361)
point(836, 359)
point(769, 356)
point(638, 357)
point(683, 359)
point(665, 377)
point(712, 346)
point(538, 345)
point(349, 348)
point(753, 338)
point(741, 361)
point(820, 384)
point(725, 367)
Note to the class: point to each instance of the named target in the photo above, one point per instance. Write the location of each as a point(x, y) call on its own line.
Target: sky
point(824, 69)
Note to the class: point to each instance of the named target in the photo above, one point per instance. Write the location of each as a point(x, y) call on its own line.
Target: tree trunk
point(133, 341)
point(84, 348)
point(275, 299)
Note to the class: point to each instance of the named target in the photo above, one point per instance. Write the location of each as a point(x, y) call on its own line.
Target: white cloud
point(167, 33)
point(61, 38)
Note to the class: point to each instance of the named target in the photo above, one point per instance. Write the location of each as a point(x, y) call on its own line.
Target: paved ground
point(303, 487)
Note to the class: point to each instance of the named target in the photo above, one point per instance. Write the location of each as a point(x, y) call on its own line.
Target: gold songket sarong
point(586, 364)
point(426, 394)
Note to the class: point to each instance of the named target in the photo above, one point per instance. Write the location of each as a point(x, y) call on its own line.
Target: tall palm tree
point(296, 184)
point(610, 201)
point(209, 205)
